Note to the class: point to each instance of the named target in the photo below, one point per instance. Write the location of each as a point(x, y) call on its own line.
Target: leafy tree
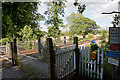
point(80, 24)
point(53, 31)
point(65, 33)
point(81, 8)
point(28, 33)
point(94, 47)
point(116, 20)
point(24, 33)
point(103, 42)
point(37, 32)
point(54, 11)
point(18, 14)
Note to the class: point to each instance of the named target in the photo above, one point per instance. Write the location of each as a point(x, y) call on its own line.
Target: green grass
point(29, 72)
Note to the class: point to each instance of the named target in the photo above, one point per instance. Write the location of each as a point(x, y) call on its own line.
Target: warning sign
point(114, 38)
point(113, 61)
point(93, 55)
point(114, 35)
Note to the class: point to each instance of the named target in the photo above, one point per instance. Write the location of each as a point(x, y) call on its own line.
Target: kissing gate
point(75, 60)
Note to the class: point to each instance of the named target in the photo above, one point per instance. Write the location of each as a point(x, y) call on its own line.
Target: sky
point(94, 8)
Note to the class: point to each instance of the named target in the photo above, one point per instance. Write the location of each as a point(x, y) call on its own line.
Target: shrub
point(94, 47)
point(4, 40)
point(90, 35)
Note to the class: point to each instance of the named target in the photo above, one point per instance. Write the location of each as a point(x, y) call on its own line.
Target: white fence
point(88, 67)
point(66, 62)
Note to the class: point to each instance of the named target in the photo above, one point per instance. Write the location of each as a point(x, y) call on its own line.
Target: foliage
point(24, 33)
point(37, 32)
point(119, 2)
point(58, 41)
point(53, 31)
point(81, 8)
point(18, 14)
point(29, 72)
point(80, 24)
point(103, 37)
point(94, 47)
point(4, 40)
point(33, 33)
point(65, 33)
point(90, 35)
point(54, 11)
point(116, 19)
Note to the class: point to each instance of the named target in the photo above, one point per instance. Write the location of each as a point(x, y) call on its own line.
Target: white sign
point(114, 36)
point(113, 61)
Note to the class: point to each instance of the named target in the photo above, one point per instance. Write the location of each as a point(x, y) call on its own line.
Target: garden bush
point(4, 40)
point(94, 47)
point(90, 35)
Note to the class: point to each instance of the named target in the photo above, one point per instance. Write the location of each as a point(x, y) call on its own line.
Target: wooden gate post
point(39, 48)
point(76, 55)
point(52, 58)
point(11, 48)
point(15, 51)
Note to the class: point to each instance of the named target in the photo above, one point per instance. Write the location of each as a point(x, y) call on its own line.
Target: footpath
point(7, 71)
point(36, 65)
point(33, 65)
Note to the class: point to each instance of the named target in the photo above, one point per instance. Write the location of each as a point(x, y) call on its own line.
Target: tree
point(24, 33)
point(33, 34)
point(54, 11)
point(65, 33)
point(103, 37)
point(80, 24)
point(116, 20)
point(18, 14)
point(81, 8)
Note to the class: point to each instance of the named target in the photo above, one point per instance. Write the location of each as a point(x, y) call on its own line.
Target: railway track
point(79, 43)
point(35, 51)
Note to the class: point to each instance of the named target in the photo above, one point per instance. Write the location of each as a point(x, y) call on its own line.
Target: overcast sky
point(93, 11)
